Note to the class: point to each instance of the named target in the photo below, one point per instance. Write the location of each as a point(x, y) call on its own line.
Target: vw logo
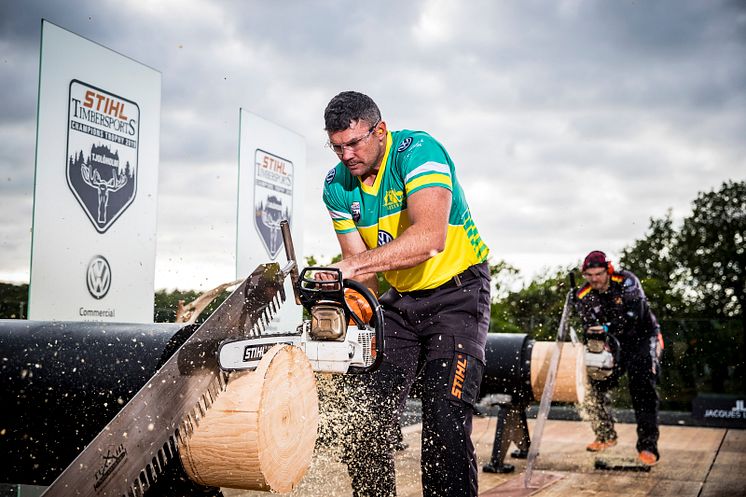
point(405, 144)
point(98, 277)
point(384, 237)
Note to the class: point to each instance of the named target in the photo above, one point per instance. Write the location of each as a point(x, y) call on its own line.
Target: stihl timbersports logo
point(273, 198)
point(102, 150)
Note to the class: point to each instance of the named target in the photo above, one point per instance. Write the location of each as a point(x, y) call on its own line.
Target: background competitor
point(614, 303)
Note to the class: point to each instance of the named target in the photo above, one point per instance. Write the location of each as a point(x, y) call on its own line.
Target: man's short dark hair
point(347, 108)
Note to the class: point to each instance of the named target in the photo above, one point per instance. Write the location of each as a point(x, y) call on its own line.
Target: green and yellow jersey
point(413, 160)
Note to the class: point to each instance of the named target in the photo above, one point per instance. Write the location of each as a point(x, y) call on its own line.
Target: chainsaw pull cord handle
point(376, 322)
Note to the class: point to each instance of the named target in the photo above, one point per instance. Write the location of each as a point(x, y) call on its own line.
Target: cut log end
point(261, 431)
point(570, 384)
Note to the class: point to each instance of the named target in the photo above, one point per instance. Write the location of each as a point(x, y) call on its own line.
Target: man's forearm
point(413, 247)
point(370, 280)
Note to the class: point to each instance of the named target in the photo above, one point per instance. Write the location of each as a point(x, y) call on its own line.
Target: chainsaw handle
point(376, 321)
point(313, 291)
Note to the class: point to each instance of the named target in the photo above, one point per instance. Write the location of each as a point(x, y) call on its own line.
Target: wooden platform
point(695, 462)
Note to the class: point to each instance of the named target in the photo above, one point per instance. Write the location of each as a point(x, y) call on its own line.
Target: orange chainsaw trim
point(358, 305)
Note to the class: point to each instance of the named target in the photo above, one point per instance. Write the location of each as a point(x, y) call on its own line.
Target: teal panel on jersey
point(413, 161)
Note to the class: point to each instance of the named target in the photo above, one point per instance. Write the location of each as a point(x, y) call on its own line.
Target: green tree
point(166, 303)
point(693, 276)
point(711, 249)
point(13, 301)
point(652, 258)
point(536, 308)
point(504, 278)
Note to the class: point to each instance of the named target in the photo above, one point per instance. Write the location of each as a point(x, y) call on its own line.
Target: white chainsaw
point(336, 338)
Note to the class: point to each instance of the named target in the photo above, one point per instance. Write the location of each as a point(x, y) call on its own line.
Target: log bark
point(261, 431)
point(570, 385)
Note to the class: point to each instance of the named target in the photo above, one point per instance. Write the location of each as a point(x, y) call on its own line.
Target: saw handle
point(312, 291)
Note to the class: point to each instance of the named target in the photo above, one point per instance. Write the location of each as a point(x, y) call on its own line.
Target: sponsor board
point(95, 188)
point(720, 410)
point(271, 168)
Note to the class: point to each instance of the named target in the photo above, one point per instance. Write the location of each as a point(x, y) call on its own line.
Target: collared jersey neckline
point(373, 189)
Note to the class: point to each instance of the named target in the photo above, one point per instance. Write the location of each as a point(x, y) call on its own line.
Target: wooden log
point(260, 433)
point(570, 385)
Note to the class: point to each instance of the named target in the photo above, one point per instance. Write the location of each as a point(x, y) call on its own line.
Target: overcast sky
point(571, 123)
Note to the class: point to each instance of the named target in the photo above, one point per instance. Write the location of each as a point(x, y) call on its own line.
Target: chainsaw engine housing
point(599, 365)
point(328, 322)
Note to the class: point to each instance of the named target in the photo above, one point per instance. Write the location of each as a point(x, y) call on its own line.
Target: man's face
point(360, 147)
point(597, 277)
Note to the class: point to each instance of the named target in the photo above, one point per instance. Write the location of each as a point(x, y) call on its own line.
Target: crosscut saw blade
point(129, 454)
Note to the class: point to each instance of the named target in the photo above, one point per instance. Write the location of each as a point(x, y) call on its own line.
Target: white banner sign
point(272, 162)
point(95, 196)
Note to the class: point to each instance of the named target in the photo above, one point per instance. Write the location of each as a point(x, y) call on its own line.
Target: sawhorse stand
point(511, 427)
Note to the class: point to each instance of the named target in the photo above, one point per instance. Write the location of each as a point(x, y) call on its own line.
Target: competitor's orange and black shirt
point(623, 308)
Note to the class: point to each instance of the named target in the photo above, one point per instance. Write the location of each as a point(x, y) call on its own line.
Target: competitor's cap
point(595, 259)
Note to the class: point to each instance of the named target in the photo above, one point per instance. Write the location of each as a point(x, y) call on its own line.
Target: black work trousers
point(440, 334)
point(639, 361)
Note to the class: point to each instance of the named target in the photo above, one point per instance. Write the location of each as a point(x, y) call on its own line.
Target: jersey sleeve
point(334, 201)
point(424, 163)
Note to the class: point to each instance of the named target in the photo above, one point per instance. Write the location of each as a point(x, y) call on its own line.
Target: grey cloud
point(530, 97)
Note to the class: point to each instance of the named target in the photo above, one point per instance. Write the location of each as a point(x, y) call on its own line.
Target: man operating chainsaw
point(622, 336)
point(397, 208)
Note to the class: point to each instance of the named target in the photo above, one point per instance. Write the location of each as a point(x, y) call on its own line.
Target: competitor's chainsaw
point(337, 338)
point(601, 351)
point(132, 450)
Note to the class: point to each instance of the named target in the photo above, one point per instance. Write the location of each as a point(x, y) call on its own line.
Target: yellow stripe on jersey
point(343, 225)
point(342, 221)
point(393, 224)
point(434, 179)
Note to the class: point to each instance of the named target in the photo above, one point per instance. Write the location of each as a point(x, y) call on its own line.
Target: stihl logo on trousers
point(459, 377)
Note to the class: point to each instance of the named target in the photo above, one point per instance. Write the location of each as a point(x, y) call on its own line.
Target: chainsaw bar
point(130, 453)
